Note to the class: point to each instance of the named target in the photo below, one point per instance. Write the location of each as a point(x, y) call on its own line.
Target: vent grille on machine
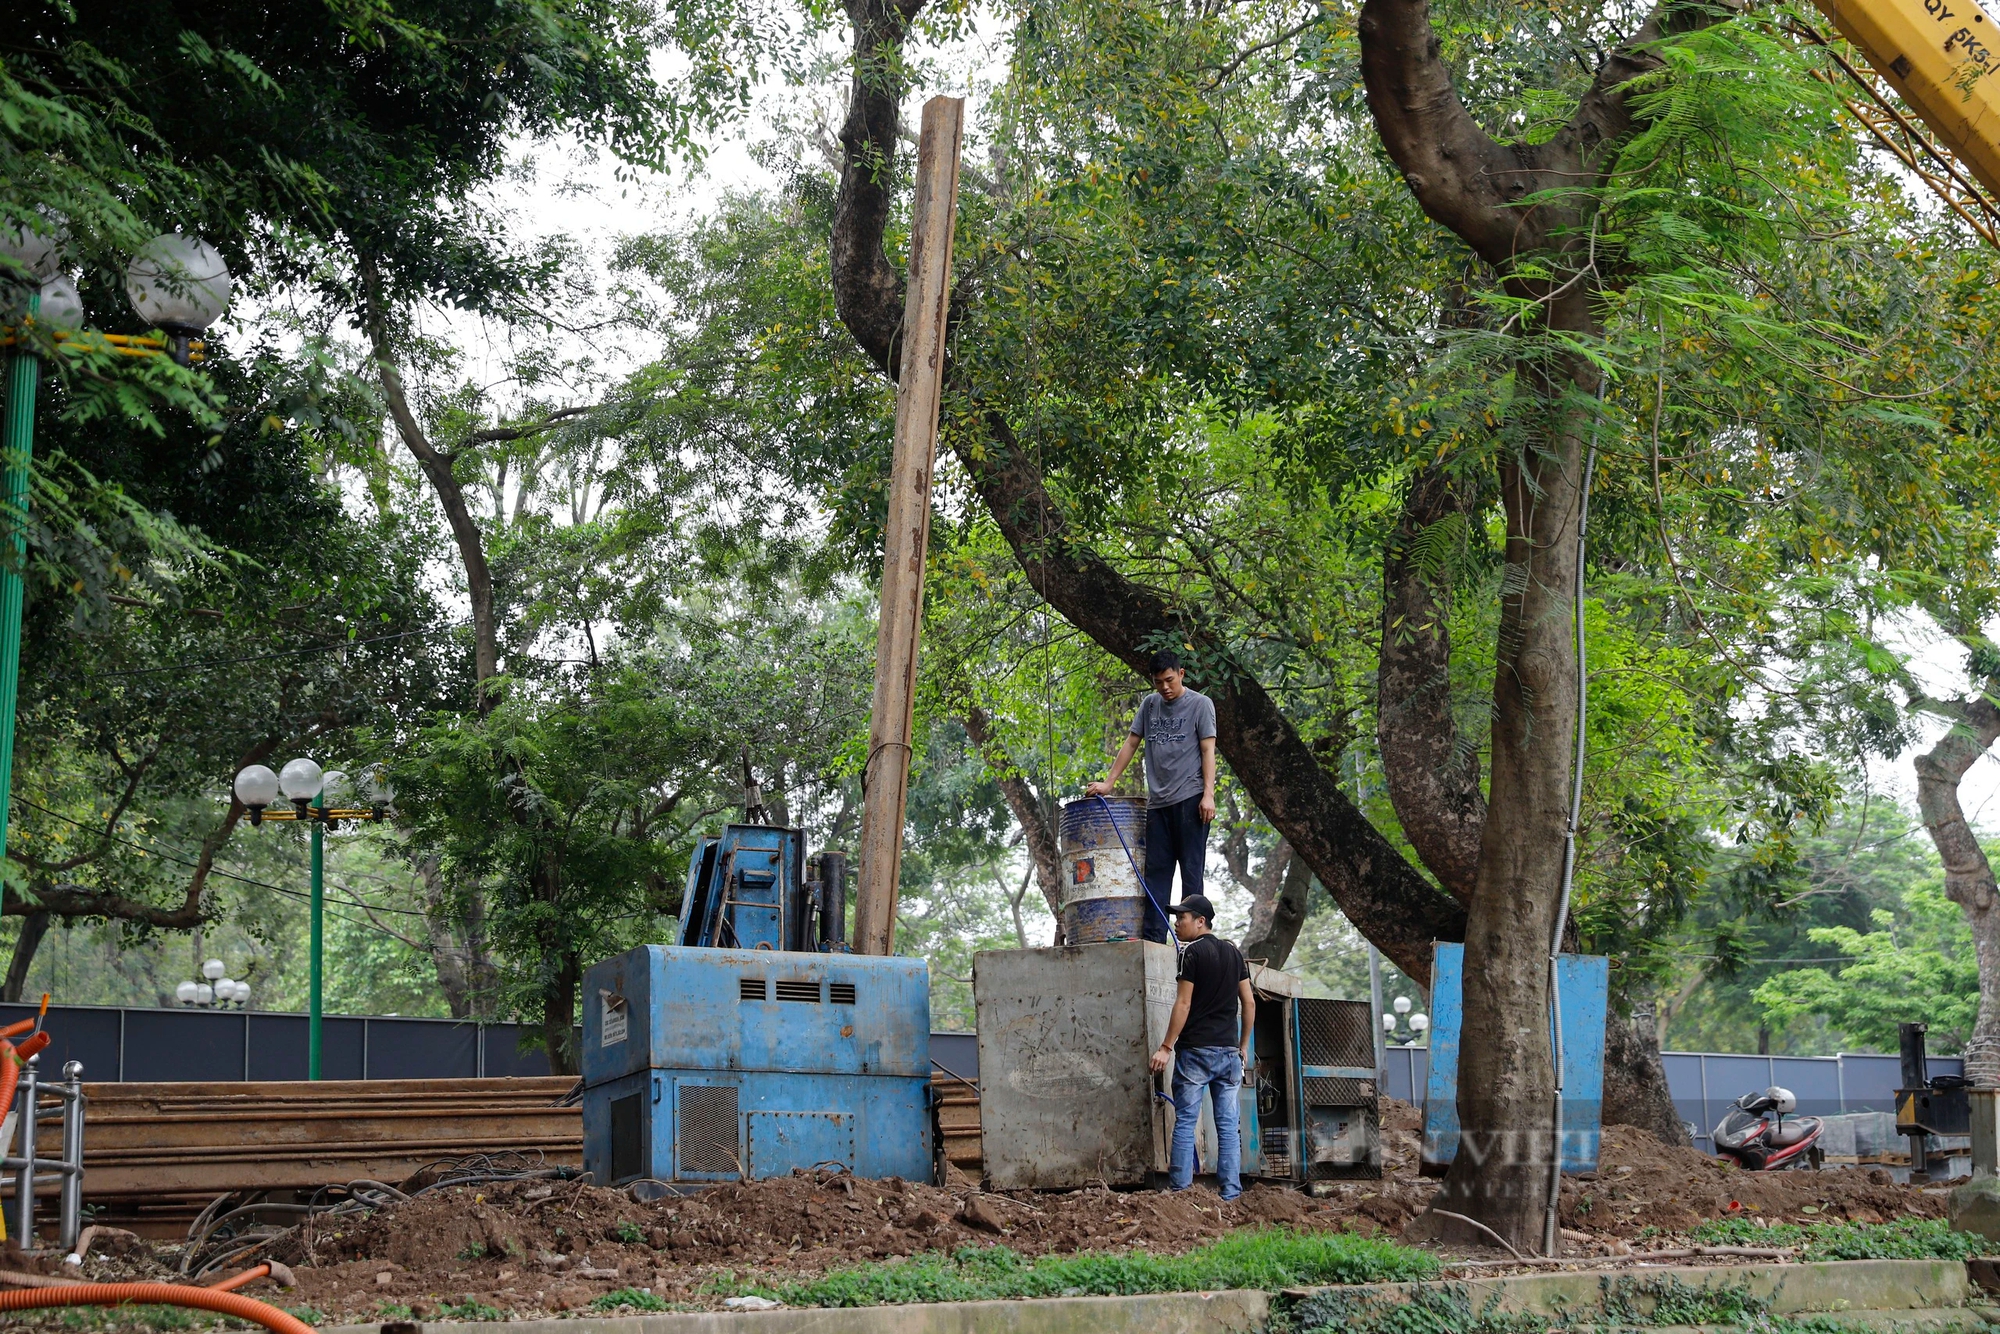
point(1336, 1032)
point(840, 993)
point(706, 1125)
point(750, 988)
point(790, 989)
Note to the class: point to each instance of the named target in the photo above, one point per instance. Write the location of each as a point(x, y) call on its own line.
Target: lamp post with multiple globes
point(308, 790)
point(177, 284)
point(1399, 1012)
point(215, 989)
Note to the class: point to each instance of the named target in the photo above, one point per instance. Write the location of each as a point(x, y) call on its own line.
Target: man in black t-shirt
point(1208, 1041)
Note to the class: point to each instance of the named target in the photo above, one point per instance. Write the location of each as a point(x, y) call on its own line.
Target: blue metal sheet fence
point(134, 1044)
point(129, 1045)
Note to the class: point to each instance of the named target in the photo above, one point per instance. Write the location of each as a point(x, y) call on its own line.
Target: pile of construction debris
point(534, 1244)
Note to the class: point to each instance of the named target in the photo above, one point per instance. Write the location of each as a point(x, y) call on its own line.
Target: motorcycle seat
point(1794, 1131)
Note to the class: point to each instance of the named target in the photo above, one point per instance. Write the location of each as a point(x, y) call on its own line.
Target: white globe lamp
point(61, 306)
point(300, 780)
point(256, 787)
point(178, 283)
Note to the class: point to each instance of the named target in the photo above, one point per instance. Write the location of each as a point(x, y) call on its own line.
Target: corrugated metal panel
point(1582, 987)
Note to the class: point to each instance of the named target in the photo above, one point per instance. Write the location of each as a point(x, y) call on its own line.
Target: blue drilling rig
point(758, 1043)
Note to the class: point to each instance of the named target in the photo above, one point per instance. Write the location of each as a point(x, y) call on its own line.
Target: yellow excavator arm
point(1942, 58)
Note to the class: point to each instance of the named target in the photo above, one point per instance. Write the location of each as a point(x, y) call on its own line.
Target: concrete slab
point(1156, 1313)
point(1836, 1285)
point(1904, 1296)
point(1963, 1320)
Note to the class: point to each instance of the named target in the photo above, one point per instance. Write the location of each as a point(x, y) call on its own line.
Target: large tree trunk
point(1635, 1082)
point(1475, 186)
point(1431, 774)
point(1277, 914)
point(1505, 1078)
point(1968, 876)
point(33, 927)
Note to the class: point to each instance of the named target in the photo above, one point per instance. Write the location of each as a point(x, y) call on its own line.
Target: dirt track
point(528, 1247)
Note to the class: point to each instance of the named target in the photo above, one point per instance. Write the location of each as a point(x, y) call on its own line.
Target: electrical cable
point(356, 902)
point(1550, 1225)
point(215, 1241)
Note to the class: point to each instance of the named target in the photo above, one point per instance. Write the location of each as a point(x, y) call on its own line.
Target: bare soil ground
point(529, 1248)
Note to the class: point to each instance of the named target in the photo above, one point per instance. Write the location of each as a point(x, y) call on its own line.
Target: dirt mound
point(533, 1246)
point(1643, 1183)
point(545, 1246)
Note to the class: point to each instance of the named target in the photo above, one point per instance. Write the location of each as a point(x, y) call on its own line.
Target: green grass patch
point(1921, 1239)
point(1633, 1303)
point(632, 1297)
point(134, 1318)
point(1272, 1259)
point(465, 1310)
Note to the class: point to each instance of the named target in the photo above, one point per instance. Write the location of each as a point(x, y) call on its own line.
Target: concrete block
point(1836, 1138)
point(1975, 1207)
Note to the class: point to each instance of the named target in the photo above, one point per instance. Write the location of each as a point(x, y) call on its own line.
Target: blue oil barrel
point(1102, 897)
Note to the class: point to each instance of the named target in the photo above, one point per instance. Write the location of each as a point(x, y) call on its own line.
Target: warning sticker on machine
point(612, 1030)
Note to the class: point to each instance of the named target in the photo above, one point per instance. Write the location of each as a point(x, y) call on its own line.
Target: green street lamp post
point(176, 283)
point(308, 790)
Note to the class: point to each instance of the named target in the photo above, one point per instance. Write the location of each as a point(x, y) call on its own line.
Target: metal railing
point(31, 1171)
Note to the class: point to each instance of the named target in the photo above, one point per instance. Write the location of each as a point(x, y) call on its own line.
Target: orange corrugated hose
point(159, 1294)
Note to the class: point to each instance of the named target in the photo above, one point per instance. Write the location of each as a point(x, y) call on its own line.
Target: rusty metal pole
point(906, 537)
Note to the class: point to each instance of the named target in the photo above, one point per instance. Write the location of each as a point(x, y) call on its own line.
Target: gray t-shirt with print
point(1173, 734)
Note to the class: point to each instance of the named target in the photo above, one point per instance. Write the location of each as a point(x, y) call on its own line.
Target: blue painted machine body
point(745, 891)
point(704, 1065)
point(1582, 986)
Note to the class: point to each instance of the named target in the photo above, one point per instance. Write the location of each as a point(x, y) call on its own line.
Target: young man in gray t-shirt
point(1178, 727)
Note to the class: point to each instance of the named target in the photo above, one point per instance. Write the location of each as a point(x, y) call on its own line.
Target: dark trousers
point(1176, 835)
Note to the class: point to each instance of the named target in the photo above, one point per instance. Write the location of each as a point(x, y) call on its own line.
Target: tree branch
point(501, 433)
point(437, 468)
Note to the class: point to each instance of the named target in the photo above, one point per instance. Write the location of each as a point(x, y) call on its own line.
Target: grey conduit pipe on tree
point(1551, 1220)
point(885, 774)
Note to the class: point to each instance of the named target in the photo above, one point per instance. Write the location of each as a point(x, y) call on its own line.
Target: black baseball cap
point(1197, 904)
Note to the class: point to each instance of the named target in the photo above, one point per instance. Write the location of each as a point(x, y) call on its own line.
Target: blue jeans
point(1219, 1069)
point(1176, 835)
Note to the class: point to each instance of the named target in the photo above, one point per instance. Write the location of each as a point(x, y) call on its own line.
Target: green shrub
point(1921, 1239)
point(1273, 1259)
point(469, 1309)
point(632, 1297)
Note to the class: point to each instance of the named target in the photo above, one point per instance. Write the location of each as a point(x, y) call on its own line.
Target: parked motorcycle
point(1756, 1133)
